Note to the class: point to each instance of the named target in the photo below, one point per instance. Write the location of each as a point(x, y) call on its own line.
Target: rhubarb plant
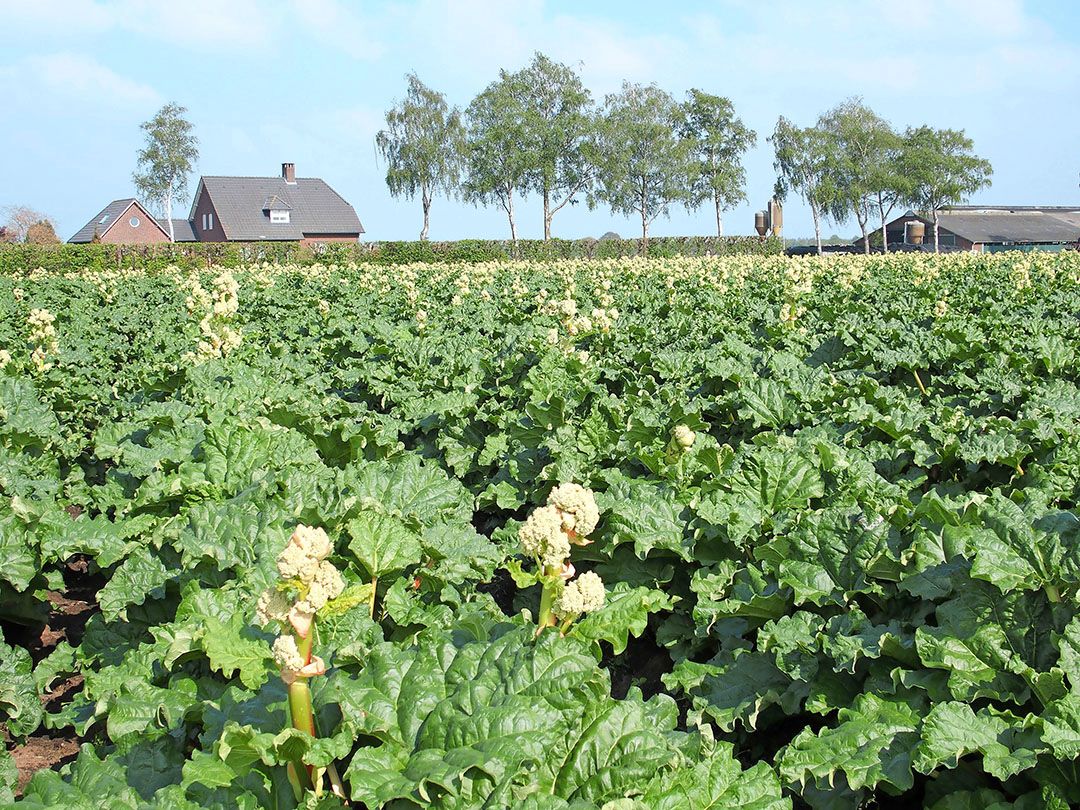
point(546, 536)
point(309, 583)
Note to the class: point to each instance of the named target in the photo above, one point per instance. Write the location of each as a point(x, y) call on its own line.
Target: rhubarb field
point(750, 533)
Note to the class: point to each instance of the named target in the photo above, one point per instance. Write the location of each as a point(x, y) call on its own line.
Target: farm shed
point(991, 228)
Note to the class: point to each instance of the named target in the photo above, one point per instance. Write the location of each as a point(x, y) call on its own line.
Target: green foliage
point(719, 139)
point(167, 159)
point(645, 163)
point(422, 146)
point(941, 169)
point(864, 586)
point(200, 256)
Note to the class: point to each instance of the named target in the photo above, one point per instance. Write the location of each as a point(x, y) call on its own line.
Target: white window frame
point(208, 222)
point(279, 217)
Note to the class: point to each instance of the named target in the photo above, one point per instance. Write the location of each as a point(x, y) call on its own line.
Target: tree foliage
point(499, 164)
point(558, 134)
point(718, 140)
point(166, 160)
point(804, 161)
point(942, 168)
point(645, 164)
point(422, 145)
point(864, 143)
point(24, 224)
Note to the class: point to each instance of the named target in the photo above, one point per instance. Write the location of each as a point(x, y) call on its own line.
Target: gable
point(113, 213)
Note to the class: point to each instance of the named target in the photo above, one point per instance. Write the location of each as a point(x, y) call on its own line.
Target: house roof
point(109, 216)
point(182, 230)
point(241, 206)
point(989, 225)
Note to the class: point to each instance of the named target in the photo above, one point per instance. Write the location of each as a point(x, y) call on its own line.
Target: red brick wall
point(215, 234)
point(122, 232)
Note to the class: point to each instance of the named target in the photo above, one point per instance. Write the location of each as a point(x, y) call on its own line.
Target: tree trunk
point(168, 216)
point(861, 218)
point(884, 235)
point(510, 216)
point(817, 229)
point(644, 221)
point(937, 244)
point(547, 214)
point(719, 220)
point(425, 198)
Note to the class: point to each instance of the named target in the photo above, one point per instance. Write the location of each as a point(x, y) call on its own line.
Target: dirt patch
point(43, 751)
point(68, 614)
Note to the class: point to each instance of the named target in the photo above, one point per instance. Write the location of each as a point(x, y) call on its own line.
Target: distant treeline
point(197, 255)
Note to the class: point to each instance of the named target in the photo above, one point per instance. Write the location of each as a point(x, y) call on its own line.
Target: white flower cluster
point(940, 308)
point(287, 654)
point(309, 583)
point(578, 508)
point(42, 337)
point(790, 312)
point(684, 436)
point(543, 537)
point(5, 358)
point(583, 595)
point(218, 308)
point(324, 307)
point(569, 516)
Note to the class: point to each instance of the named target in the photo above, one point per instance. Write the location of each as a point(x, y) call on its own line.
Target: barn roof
point(1028, 224)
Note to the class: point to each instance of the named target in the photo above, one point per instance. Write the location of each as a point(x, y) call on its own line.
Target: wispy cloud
point(338, 25)
point(74, 76)
point(199, 23)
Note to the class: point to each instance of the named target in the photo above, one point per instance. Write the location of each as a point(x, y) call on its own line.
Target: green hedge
point(15, 257)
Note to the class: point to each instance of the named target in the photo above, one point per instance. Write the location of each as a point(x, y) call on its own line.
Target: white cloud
point(200, 23)
point(338, 25)
point(77, 77)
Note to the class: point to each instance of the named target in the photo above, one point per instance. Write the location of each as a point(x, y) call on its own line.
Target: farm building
point(237, 209)
point(989, 228)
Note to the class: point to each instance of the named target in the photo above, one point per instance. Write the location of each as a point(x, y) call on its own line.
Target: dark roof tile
point(314, 207)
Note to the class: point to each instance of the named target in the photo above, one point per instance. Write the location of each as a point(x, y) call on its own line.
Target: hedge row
point(15, 257)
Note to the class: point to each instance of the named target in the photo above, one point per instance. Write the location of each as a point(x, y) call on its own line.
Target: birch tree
point(717, 140)
point(862, 141)
point(422, 145)
point(943, 169)
point(498, 163)
point(164, 163)
point(645, 163)
point(803, 163)
point(558, 134)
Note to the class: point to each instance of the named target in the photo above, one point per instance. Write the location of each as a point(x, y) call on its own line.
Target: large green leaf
point(383, 544)
point(872, 743)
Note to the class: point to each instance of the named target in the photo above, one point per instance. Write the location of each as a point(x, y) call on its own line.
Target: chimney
point(288, 171)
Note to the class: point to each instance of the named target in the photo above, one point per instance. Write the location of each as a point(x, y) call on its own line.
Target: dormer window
point(279, 217)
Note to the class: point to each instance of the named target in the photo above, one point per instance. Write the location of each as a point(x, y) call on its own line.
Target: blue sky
point(308, 81)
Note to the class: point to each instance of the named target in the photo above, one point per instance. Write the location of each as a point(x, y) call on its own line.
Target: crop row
point(830, 506)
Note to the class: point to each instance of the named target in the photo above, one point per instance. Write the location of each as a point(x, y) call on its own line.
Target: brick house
point(127, 222)
point(239, 209)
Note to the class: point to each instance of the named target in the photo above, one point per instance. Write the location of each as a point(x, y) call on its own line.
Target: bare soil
point(67, 619)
